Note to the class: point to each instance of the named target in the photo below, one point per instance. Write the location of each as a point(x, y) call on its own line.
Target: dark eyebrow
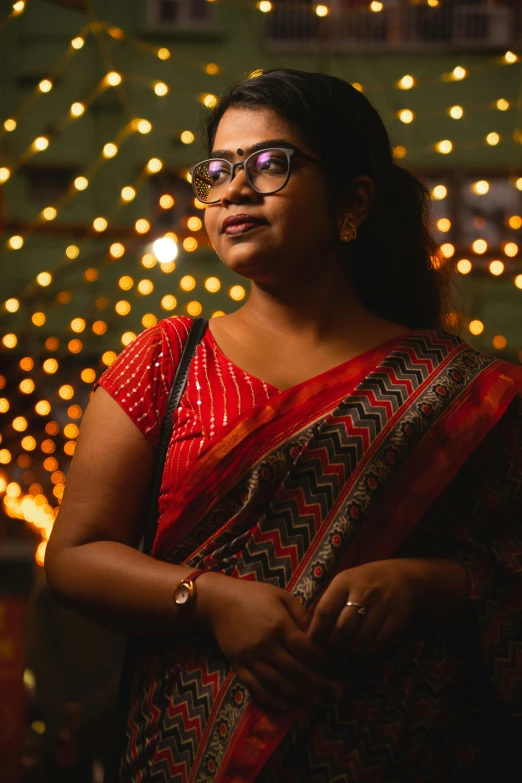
point(260, 145)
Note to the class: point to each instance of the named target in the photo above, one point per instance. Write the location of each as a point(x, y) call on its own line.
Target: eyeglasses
point(266, 171)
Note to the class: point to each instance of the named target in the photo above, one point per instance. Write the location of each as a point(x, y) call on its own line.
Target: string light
point(476, 327)
point(406, 83)
point(439, 192)
point(110, 150)
point(154, 165)
point(163, 53)
point(493, 139)
point(10, 125)
point(459, 73)
point(479, 246)
point(406, 116)
point(128, 193)
point(77, 42)
point(444, 147)
point(99, 224)
point(481, 187)
point(161, 89)
point(77, 109)
point(321, 10)
point(264, 6)
point(456, 112)
point(464, 266)
point(376, 6)
point(81, 183)
point(510, 57)
point(502, 104)
point(113, 78)
point(41, 143)
point(496, 268)
point(45, 85)
point(4, 174)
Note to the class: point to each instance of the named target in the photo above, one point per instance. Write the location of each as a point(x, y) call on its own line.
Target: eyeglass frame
point(289, 151)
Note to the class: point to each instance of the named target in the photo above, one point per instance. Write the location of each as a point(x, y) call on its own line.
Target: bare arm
point(91, 563)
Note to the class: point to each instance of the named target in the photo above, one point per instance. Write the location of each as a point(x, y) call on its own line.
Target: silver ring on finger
point(361, 607)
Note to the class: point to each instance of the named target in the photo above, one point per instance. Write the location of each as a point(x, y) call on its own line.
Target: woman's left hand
point(387, 590)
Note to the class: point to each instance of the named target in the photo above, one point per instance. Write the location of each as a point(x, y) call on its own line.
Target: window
point(180, 13)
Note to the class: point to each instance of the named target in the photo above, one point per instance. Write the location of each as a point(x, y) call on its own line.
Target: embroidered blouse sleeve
point(141, 376)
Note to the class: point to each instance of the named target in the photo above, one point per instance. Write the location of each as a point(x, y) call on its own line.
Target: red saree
point(413, 449)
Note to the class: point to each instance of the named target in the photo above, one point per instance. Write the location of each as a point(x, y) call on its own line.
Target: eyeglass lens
point(267, 171)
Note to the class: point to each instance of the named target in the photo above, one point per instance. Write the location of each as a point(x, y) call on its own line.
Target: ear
point(360, 201)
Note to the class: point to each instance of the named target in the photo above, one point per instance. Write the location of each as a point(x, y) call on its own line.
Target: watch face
point(182, 594)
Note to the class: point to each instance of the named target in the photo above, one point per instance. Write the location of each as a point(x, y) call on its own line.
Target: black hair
point(398, 269)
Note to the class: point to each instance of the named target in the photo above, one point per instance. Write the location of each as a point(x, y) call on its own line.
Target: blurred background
point(100, 118)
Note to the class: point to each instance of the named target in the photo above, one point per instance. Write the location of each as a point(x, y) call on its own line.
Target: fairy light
point(161, 89)
point(406, 116)
point(128, 193)
point(212, 69)
point(476, 327)
point(518, 281)
point(110, 150)
point(209, 100)
point(78, 42)
point(12, 305)
point(166, 201)
point(481, 187)
point(141, 125)
point(15, 242)
point(165, 250)
point(444, 147)
point(496, 268)
point(187, 283)
point(49, 213)
point(515, 221)
point(499, 342)
point(4, 174)
point(77, 109)
point(40, 143)
point(479, 246)
point(322, 10)
point(406, 82)
point(212, 284)
point(117, 250)
point(399, 151)
point(44, 279)
point(518, 183)
point(10, 125)
point(154, 165)
point(187, 137)
point(81, 183)
point(113, 78)
point(439, 192)
point(456, 112)
point(459, 73)
point(45, 85)
point(72, 251)
point(169, 302)
point(194, 223)
point(163, 53)
point(444, 224)
point(265, 6)
point(237, 292)
point(492, 139)
point(447, 250)
point(18, 8)
point(376, 6)
point(464, 266)
point(502, 104)
point(511, 249)
point(142, 226)
point(99, 224)
point(510, 57)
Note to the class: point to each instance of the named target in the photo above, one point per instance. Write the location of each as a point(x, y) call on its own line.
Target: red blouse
point(217, 391)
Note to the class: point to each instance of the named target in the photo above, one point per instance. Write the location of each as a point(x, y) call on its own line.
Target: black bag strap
point(197, 330)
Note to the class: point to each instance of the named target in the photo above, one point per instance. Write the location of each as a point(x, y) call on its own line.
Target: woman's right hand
point(262, 631)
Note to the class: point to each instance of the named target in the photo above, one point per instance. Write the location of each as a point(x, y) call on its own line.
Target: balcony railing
point(452, 25)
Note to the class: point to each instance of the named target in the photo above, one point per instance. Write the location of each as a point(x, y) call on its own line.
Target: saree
point(413, 449)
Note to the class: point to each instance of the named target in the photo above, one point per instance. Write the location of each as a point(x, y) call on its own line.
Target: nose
point(238, 186)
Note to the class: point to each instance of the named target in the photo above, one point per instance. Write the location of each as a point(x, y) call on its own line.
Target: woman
point(345, 472)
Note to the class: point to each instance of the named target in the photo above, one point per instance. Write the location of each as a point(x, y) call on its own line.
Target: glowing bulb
point(444, 224)
point(209, 100)
point(439, 192)
point(444, 147)
point(165, 250)
point(502, 104)
point(464, 266)
point(77, 109)
point(476, 327)
point(142, 226)
point(163, 53)
point(166, 201)
point(194, 223)
point(510, 57)
point(481, 187)
point(110, 150)
point(4, 174)
point(44, 279)
point(492, 139)
point(376, 6)
point(459, 73)
point(72, 251)
point(265, 6)
point(9, 125)
point(447, 249)
point(128, 193)
point(45, 85)
point(49, 213)
point(496, 268)
point(322, 10)
point(511, 249)
point(18, 8)
point(518, 183)
point(113, 78)
point(81, 183)
point(187, 137)
point(77, 42)
point(99, 224)
point(212, 284)
point(406, 116)
point(479, 246)
point(142, 126)
point(154, 165)
point(212, 69)
point(456, 112)
point(161, 89)
point(406, 83)
point(117, 250)
point(41, 143)
point(16, 242)
point(515, 221)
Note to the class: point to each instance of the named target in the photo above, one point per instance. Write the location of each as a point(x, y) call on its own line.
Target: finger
point(276, 683)
point(304, 650)
point(368, 630)
point(260, 695)
point(347, 626)
point(383, 638)
point(325, 616)
point(305, 679)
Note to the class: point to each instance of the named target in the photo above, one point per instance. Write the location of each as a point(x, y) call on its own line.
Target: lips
point(241, 219)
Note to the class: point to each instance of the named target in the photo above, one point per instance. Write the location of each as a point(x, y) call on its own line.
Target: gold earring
point(348, 229)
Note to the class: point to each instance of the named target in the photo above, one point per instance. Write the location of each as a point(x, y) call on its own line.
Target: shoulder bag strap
point(197, 330)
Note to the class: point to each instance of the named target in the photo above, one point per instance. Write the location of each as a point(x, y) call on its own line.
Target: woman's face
point(300, 233)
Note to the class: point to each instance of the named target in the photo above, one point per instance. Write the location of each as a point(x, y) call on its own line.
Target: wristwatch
point(185, 593)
